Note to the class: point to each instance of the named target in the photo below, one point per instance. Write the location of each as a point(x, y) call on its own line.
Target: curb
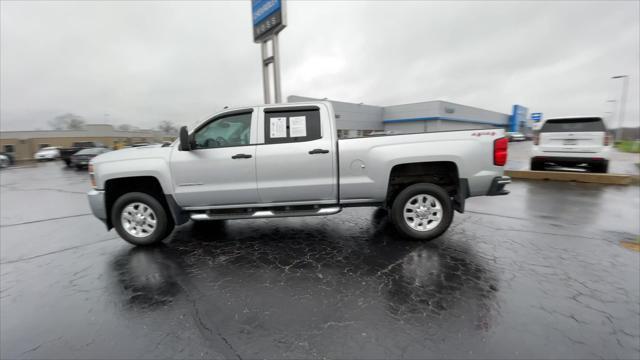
point(608, 179)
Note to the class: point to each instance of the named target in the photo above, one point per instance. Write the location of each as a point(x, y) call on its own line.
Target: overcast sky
point(143, 62)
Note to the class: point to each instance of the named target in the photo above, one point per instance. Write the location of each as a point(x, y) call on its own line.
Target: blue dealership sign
point(518, 117)
point(536, 116)
point(268, 18)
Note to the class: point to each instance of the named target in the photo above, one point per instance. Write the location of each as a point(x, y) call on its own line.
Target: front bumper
point(97, 204)
point(498, 186)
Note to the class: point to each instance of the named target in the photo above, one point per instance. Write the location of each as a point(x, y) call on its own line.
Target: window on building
point(9, 149)
point(292, 126)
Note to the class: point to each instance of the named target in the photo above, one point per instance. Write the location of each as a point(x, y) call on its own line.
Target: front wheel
point(140, 219)
point(422, 211)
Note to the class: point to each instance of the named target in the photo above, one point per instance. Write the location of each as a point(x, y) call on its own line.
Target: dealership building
point(355, 120)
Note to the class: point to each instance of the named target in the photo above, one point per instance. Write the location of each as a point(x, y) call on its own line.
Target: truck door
point(297, 159)
point(221, 167)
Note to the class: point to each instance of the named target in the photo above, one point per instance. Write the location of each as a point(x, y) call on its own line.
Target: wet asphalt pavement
point(536, 274)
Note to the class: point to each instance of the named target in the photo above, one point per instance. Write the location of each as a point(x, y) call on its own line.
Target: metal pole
point(623, 101)
point(265, 74)
point(276, 68)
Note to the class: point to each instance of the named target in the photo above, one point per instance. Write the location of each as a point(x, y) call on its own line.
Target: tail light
point(607, 139)
point(536, 139)
point(500, 151)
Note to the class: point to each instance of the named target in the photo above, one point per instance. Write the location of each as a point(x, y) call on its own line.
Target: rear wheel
point(537, 165)
point(140, 219)
point(422, 211)
point(602, 167)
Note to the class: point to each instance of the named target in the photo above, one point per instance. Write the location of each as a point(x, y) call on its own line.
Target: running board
point(259, 214)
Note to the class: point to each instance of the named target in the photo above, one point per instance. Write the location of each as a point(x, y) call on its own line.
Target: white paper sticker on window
point(278, 127)
point(298, 126)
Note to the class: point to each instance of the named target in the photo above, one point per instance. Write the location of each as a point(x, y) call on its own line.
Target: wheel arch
point(441, 173)
point(116, 187)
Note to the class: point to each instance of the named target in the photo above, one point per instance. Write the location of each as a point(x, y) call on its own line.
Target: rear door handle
point(241, 156)
point(318, 151)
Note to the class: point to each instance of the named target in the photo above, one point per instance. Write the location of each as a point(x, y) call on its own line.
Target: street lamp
point(623, 100)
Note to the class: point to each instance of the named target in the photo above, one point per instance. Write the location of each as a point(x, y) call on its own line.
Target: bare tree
point(167, 127)
point(68, 121)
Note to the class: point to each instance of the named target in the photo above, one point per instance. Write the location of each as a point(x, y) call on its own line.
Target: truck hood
point(136, 153)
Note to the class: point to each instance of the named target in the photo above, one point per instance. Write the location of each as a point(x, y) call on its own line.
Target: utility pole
point(623, 101)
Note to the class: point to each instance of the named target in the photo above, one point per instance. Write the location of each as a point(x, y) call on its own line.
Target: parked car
point(81, 159)
point(4, 161)
point(572, 141)
point(285, 160)
point(65, 153)
point(516, 136)
point(47, 153)
point(9, 156)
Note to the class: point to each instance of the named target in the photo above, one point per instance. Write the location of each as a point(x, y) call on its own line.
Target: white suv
point(572, 141)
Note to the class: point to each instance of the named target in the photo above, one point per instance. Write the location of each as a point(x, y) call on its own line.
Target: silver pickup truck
point(286, 160)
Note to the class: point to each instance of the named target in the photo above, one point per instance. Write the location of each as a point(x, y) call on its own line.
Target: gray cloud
point(143, 62)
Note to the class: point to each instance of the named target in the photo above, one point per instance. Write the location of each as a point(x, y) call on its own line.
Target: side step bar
point(259, 214)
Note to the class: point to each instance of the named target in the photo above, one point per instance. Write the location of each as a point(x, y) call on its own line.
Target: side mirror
point(184, 139)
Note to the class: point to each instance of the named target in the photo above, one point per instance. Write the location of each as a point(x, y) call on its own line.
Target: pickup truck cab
point(286, 160)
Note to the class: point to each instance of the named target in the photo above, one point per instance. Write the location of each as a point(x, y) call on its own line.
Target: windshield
point(93, 151)
point(573, 125)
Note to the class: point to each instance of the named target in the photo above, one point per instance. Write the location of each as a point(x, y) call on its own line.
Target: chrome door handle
point(318, 151)
point(241, 156)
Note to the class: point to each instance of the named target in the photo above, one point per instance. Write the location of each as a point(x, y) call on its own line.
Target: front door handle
point(241, 156)
point(318, 151)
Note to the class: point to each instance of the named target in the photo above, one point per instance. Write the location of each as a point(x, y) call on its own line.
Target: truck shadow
point(356, 258)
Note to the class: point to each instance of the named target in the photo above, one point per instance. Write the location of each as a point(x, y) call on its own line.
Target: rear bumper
point(498, 186)
point(570, 161)
point(602, 153)
point(97, 204)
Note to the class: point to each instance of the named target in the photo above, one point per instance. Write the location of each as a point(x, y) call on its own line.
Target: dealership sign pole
point(268, 20)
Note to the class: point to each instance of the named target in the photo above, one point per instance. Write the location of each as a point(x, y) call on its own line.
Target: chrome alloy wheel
point(423, 212)
point(138, 219)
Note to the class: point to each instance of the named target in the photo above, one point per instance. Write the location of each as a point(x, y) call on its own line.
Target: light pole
point(611, 117)
point(623, 100)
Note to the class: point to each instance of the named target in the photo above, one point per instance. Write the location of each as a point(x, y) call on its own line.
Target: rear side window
point(291, 126)
point(573, 125)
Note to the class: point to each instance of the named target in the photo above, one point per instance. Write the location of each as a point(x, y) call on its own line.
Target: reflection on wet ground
point(538, 274)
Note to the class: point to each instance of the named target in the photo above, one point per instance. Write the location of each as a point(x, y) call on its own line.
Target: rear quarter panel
point(366, 163)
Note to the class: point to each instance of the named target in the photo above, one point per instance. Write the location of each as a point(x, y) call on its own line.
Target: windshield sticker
point(298, 126)
point(278, 127)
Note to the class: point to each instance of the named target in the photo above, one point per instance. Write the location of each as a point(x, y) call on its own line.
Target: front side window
point(232, 130)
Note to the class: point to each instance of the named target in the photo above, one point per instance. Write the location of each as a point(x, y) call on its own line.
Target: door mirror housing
point(185, 145)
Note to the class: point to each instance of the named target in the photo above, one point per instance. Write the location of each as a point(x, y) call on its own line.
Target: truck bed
point(365, 162)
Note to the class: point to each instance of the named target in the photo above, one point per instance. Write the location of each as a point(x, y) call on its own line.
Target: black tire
point(600, 167)
point(537, 165)
point(163, 224)
point(397, 211)
point(68, 162)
